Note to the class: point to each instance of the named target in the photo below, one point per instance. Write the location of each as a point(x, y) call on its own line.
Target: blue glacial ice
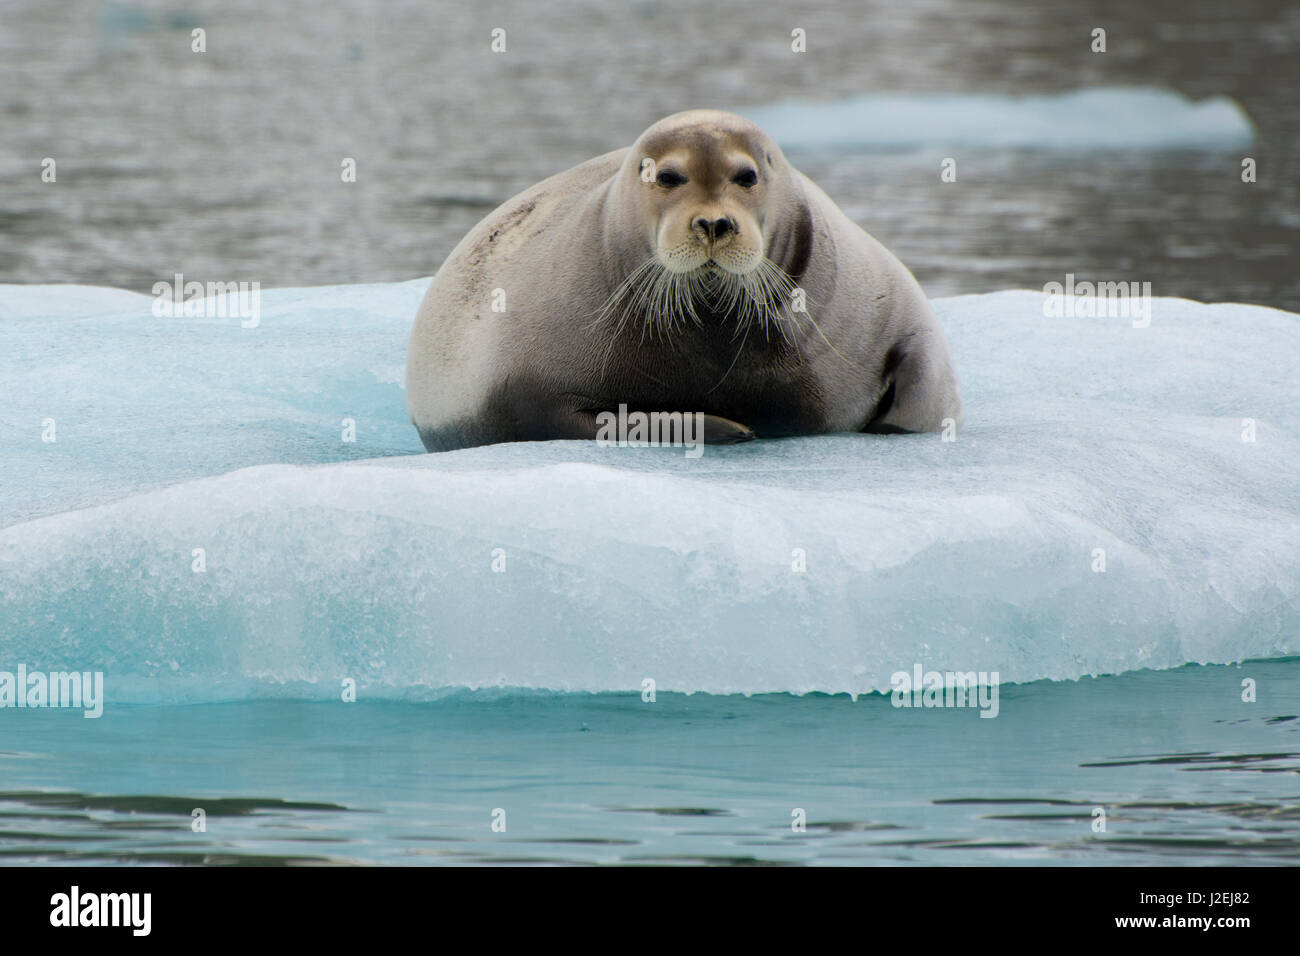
point(1142, 118)
point(328, 559)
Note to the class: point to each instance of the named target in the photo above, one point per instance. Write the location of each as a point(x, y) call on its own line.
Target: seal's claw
point(723, 431)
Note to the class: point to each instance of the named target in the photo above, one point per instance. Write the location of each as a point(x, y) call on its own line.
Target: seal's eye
point(746, 178)
point(670, 179)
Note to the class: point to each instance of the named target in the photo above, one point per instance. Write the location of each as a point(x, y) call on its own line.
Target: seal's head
point(704, 179)
point(712, 197)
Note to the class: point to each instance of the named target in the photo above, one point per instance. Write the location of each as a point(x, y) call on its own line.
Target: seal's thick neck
point(626, 235)
point(793, 234)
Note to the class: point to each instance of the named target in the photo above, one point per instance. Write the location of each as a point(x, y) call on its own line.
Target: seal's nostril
point(713, 228)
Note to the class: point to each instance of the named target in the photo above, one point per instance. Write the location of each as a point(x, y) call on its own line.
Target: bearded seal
point(694, 272)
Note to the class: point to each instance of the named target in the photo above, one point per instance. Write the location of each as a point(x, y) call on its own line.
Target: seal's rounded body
point(696, 271)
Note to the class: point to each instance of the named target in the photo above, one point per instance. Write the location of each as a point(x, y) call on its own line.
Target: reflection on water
point(226, 164)
point(713, 780)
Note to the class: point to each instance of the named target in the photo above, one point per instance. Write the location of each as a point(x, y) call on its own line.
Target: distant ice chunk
point(1134, 118)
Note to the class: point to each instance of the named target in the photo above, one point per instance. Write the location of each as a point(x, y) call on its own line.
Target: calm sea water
point(226, 165)
point(1184, 770)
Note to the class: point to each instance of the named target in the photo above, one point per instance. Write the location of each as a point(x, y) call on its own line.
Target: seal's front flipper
point(669, 428)
point(723, 431)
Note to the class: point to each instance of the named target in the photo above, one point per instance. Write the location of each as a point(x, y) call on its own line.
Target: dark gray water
point(227, 164)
